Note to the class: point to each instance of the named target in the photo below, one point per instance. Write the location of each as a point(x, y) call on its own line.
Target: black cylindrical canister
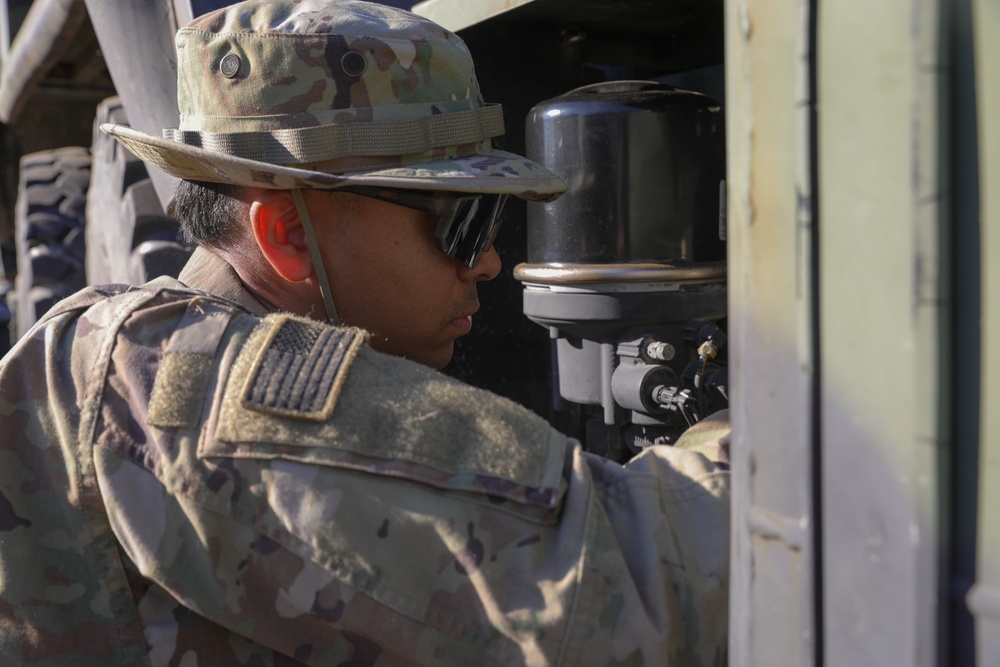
point(644, 163)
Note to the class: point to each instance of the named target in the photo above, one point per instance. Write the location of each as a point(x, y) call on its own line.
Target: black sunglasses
point(467, 224)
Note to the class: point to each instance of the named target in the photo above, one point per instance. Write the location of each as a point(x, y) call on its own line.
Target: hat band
point(357, 139)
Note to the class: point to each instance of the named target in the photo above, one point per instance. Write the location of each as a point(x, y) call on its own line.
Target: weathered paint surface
point(878, 312)
point(771, 296)
point(458, 15)
point(883, 308)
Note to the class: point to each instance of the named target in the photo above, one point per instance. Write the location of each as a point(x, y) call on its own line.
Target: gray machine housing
point(627, 269)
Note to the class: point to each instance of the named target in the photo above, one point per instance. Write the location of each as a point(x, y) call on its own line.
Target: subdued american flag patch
point(301, 368)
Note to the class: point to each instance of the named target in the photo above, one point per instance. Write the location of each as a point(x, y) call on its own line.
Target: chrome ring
point(568, 274)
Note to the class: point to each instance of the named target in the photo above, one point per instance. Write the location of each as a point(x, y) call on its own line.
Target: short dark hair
point(209, 212)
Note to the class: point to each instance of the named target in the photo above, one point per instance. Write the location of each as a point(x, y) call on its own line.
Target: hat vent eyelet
point(230, 65)
point(353, 63)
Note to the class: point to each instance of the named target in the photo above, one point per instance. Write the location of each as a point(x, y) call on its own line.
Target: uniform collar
point(207, 272)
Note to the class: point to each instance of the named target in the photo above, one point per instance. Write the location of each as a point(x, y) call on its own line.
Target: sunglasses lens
point(467, 224)
point(470, 227)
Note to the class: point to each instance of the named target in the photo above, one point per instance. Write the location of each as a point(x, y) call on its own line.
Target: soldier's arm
point(279, 490)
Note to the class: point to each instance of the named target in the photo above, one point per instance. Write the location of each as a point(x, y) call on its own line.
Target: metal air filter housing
point(632, 256)
point(644, 162)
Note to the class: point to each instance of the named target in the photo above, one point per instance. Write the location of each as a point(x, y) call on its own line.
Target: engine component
point(633, 252)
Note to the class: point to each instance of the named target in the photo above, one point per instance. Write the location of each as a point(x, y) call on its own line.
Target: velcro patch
point(301, 368)
point(185, 371)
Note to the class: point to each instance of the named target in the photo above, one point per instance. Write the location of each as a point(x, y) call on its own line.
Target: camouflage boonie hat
point(325, 94)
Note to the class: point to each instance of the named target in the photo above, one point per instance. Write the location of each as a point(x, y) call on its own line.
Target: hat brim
point(493, 172)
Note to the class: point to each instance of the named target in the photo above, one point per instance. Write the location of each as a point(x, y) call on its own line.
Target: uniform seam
point(689, 488)
point(95, 385)
point(578, 593)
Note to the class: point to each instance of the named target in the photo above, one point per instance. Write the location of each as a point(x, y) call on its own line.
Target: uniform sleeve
point(333, 504)
point(665, 519)
point(64, 597)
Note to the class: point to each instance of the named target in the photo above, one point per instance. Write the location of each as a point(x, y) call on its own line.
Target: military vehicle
point(787, 206)
point(65, 66)
point(863, 234)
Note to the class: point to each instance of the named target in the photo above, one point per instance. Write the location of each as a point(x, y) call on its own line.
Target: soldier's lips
point(462, 325)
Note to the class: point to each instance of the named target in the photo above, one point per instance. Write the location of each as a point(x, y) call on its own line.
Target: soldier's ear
point(280, 235)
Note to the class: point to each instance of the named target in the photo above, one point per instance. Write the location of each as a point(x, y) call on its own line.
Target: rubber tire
point(125, 213)
point(49, 230)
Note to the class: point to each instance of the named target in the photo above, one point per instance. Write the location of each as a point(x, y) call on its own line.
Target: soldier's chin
point(436, 359)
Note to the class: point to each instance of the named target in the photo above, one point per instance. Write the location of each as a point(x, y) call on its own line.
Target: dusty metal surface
point(884, 304)
point(47, 32)
point(771, 303)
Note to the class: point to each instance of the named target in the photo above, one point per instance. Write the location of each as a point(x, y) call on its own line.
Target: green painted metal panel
point(771, 304)
point(884, 306)
point(984, 599)
point(457, 16)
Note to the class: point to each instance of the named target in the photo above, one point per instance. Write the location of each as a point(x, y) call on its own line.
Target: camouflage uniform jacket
point(186, 483)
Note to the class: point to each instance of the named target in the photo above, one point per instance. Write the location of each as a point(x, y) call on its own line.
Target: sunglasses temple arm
point(317, 259)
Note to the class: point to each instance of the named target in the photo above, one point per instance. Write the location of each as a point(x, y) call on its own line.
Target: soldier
point(203, 472)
